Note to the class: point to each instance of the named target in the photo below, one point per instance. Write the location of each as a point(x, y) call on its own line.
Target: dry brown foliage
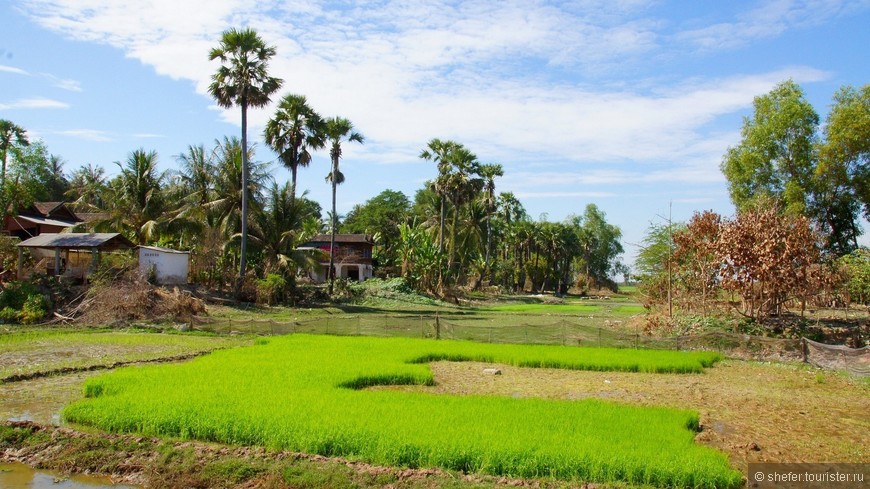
point(134, 299)
point(769, 258)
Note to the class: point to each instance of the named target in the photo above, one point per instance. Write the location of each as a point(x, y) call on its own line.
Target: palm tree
point(280, 228)
point(440, 152)
point(293, 132)
point(10, 134)
point(488, 173)
point(226, 207)
point(336, 130)
point(136, 197)
point(87, 186)
point(197, 175)
point(461, 187)
point(243, 80)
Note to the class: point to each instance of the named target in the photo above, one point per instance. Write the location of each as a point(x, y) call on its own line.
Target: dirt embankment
point(154, 462)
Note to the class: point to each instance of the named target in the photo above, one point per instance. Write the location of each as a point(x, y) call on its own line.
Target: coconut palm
point(136, 198)
point(280, 228)
point(243, 80)
point(337, 130)
point(196, 175)
point(87, 186)
point(293, 132)
point(10, 134)
point(229, 195)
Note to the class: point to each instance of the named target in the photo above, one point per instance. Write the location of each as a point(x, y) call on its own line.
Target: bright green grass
point(301, 393)
point(544, 308)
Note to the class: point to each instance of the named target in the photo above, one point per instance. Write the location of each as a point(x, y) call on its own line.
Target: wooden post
point(20, 262)
point(56, 262)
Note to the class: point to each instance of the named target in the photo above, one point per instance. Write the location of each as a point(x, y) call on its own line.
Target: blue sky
point(628, 104)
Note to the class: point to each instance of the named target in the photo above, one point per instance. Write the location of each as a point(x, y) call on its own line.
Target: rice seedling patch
point(307, 393)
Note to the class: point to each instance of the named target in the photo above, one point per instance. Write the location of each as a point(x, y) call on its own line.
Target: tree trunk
point(244, 245)
point(332, 229)
point(452, 254)
point(293, 171)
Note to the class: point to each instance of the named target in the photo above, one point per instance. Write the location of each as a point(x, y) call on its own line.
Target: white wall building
point(170, 267)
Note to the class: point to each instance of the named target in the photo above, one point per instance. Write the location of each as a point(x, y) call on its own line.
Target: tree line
point(799, 191)
point(223, 205)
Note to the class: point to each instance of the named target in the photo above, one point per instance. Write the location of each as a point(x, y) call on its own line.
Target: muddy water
point(19, 476)
point(40, 400)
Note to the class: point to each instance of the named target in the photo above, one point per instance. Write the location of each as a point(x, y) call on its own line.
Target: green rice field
point(305, 393)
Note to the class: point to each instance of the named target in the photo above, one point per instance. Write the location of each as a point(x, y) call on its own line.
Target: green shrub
point(34, 309)
point(22, 302)
point(272, 289)
point(8, 315)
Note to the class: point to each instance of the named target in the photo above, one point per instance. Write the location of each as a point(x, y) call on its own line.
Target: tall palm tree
point(293, 132)
point(10, 134)
point(440, 152)
point(462, 186)
point(336, 130)
point(488, 173)
point(243, 80)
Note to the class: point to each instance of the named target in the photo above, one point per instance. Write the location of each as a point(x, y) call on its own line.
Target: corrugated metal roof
point(78, 240)
point(163, 250)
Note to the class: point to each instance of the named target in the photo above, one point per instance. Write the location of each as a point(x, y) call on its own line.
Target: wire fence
point(547, 330)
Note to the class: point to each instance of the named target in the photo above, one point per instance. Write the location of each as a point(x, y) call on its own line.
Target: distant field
point(303, 393)
point(543, 308)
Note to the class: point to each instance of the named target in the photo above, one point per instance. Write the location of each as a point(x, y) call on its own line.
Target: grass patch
point(628, 310)
point(544, 308)
point(288, 394)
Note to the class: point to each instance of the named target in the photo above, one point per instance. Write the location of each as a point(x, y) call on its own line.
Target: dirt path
point(754, 412)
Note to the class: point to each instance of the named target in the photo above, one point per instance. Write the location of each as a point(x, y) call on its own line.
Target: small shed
point(70, 254)
point(169, 267)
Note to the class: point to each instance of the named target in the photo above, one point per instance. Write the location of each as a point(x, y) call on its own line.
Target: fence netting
point(548, 330)
point(854, 360)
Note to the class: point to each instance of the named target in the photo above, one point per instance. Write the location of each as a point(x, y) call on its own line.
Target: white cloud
point(64, 84)
point(87, 134)
point(34, 103)
point(769, 20)
point(14, 70)
point(405, 72)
